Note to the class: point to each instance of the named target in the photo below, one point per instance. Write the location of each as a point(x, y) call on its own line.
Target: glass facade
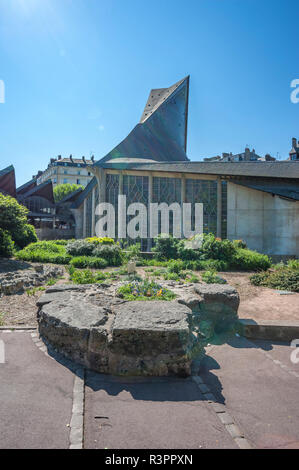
point(135, 188)
point(205, 192)
point(168, 190)
point(224, 210)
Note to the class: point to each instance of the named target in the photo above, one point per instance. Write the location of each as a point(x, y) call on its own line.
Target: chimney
point(71, 158)
point(84, 161)
point(294, 142)
point(92, 158)
point(59, 157)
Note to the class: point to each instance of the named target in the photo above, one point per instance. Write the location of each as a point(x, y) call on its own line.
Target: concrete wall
point(267, 223)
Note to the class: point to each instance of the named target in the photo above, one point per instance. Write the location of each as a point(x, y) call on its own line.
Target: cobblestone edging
point(77, 419)
point(224, 417)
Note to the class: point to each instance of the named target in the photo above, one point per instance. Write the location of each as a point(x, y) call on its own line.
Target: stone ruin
point(92, 326)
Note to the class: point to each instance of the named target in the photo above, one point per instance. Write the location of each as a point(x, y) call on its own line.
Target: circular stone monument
point(92, 326)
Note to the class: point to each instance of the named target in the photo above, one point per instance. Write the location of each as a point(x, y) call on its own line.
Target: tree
point(62, 190)
point(13, 221)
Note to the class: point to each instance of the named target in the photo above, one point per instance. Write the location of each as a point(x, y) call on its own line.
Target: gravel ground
point(257, 303)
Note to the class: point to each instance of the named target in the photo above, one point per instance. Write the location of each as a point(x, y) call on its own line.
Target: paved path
point(246, 394)
point(149, 413)
point(35, 397)
point(260, 394)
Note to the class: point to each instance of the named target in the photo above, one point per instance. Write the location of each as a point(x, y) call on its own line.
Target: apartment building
point(66, 170)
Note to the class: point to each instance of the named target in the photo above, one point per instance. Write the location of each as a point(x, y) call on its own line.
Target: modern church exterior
point(257, 202)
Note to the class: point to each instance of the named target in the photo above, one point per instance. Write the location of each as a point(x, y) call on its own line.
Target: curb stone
point(223, 416)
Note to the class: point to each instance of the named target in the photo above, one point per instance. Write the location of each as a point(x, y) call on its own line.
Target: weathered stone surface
point(110, 335)
point(218, 308)
point(67, 287)
point(17, 281)
point(152, 337)
point(215, 294)
point(52, 296)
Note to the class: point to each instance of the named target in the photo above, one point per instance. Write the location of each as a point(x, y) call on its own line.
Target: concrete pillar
point(84, 218)
point(150, 199)
point(183, 200)
point(219, 207)
point(93, 215)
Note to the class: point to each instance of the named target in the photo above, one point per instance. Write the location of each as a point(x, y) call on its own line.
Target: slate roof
point(277, 169)
point(8, 181)
point(161, 134)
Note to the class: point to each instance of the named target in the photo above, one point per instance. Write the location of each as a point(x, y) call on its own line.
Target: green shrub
point(80, 248)
point(293, 264)
point(86, 276)
point(210, 277)
point(47, 246)
point(202, 265)
point(249, 260)
point(13, 219)
point(100, 240)
point(239, 244)
point(133, 251)
point(215, 248)
point(88, 262)
point(175, 266)
point(282, 279)
point(166, 247)
point(6, 244)
point(40, 255)
point(171, 277)
point(111, 253)
point(25, 236)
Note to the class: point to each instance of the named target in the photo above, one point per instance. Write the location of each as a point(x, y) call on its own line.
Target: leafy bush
point(111, 253)
point(88, 262)
point(249, 260)
point(80, 248)
point(175, 266)
point(13, 219)
point(6, 244)
point(210, 277)
point(215, 248)
point(239, 244)
point(284, 278)
point(133, 252)
point(144, 290)
point(42, 256)
point(82, 277)
point(166, 247)
point(101, 240)
point(202, 265)
point(25, 235)
point(293, 264)
point(49, 246)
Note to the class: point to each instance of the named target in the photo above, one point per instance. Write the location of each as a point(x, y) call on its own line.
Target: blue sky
point(78, 72)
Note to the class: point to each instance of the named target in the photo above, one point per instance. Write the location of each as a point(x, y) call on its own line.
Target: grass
point(34, 290)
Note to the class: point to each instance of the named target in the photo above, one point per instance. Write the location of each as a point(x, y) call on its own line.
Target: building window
point(64, 181)
point(79, 172)
point(65, 172)
point(78, 181)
